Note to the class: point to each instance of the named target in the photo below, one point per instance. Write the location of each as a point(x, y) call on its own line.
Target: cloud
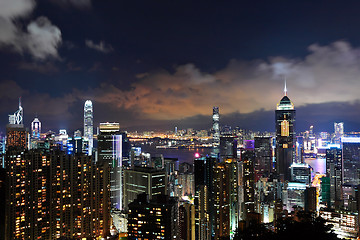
point(101, 46)
point(10, 9)
point(75, 3)
point(327, 74)
point(40, 38)
point(44, 68)
point(43, 39)
point(323, 85)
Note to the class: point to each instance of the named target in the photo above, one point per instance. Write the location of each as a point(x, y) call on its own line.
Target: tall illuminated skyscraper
point(339, 132)
point(17, 117)
point(216, 126)
point(16, 134)
point(285, 136)
point(35, 129)
point(110, 150)
point(334, 171)
point(89, 125)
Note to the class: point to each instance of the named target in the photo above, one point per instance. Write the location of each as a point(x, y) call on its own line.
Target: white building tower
point(89, 125)
point(35, 129)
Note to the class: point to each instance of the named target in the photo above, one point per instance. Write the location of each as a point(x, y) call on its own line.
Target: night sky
point(157, 64)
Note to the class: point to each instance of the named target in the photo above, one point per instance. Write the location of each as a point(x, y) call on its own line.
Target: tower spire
point(285, 89)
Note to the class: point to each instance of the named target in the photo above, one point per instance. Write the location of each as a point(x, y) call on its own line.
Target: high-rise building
point(294, 195)
point(27, 196)
point(170, 167)
point(111, 150)
point(35, 129)
point(351, 160)
point(216, 127)
point(17, 117)
point(2, 151)
point(310, 199)
point(228, 147)
point(53, 195)
point(143, 180)
point(334, 171)
point(79, 196)
point(153, 218)
point(204, 200)
point(226, 198)
point(89, 125)
point(285, 137)
point(16, 135)
point(301, 172)
point(338, 132)
point(248, 182)
point(263, 157)
point(187, 221)
point(35, 133)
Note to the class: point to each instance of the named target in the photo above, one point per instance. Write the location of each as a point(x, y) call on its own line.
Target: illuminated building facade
point(263, 156)
point(35, 129)
point(187, 221)
point(345, 224)
point(334, 171)
point(89, 125)
point(111, 149)
point(153, 219)
point(285, 137)
point(204, 200)
point(17, 117)
point(311, 199)
point(53, 195)
point(143, 180)
point(228, 147)
point(226, 198)
point(294, 195)
point(186, 180)
point(338, 132)
point(16, 136)
point(79, 197)
point(351, 160)
point(216, 127)
point(27, 184)
point(248, 182)
point(301, 172)
point(35, 133)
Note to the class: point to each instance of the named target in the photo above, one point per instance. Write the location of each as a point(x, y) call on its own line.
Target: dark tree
point(304, 227)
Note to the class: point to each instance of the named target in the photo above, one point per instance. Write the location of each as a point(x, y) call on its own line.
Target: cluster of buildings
point(101, 185)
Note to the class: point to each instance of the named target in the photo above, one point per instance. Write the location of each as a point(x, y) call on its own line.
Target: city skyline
point(154, 66)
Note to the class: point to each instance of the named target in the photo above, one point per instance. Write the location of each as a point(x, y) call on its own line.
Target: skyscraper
point(334, 171)
point(52, 195)
point(111, 150)
point(35, 129)
point(16, 134)
point(204, 192)
point(351, 160)
point(338, 131)
point(216, 126)
point(89, 125)
point(263, 157)
point(17, 117)
point(153, 218)
point(285, 136)
point(143, 180)
point(248, 181)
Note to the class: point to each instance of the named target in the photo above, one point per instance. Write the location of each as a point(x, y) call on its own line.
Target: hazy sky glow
point(158, 65)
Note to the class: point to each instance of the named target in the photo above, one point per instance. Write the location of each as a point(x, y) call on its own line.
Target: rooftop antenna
point(285, 89)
